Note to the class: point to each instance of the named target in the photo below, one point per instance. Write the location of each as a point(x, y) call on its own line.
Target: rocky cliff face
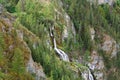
point(49, 36)
point(13, 40)
point(105, 50)
point(110, 2)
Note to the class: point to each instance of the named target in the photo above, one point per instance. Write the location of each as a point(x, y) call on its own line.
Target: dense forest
point(59, 40)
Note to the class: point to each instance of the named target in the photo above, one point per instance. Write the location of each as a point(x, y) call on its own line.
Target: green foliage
point(86, 56)
point(85, 36)
point(104, 18)
point(36, 16)
point(89, 15)
point(18, 62)
point(118, 3)
point(12, 63)
point(9, 5)
point(2, 44)
point(53, 67)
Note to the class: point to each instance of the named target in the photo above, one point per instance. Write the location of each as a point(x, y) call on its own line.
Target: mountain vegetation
point(82, 30)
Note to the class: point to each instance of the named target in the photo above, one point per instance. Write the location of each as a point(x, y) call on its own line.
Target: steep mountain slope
point(98, 26)
point(15, 56)
point(67, 39)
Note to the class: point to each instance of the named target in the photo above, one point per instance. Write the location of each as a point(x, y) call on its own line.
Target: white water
point(61, 53)
point(69, 31)
point(90, 75)
point(87, 75)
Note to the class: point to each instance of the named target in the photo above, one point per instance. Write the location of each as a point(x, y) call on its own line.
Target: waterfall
point(87, 75)
point(90, 75)
point(69, 28)
point(61, 53)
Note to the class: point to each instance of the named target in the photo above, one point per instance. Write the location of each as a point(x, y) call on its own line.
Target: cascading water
point(61, 53)
point(86, 74)
point(69, 28)
point(90, 75)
